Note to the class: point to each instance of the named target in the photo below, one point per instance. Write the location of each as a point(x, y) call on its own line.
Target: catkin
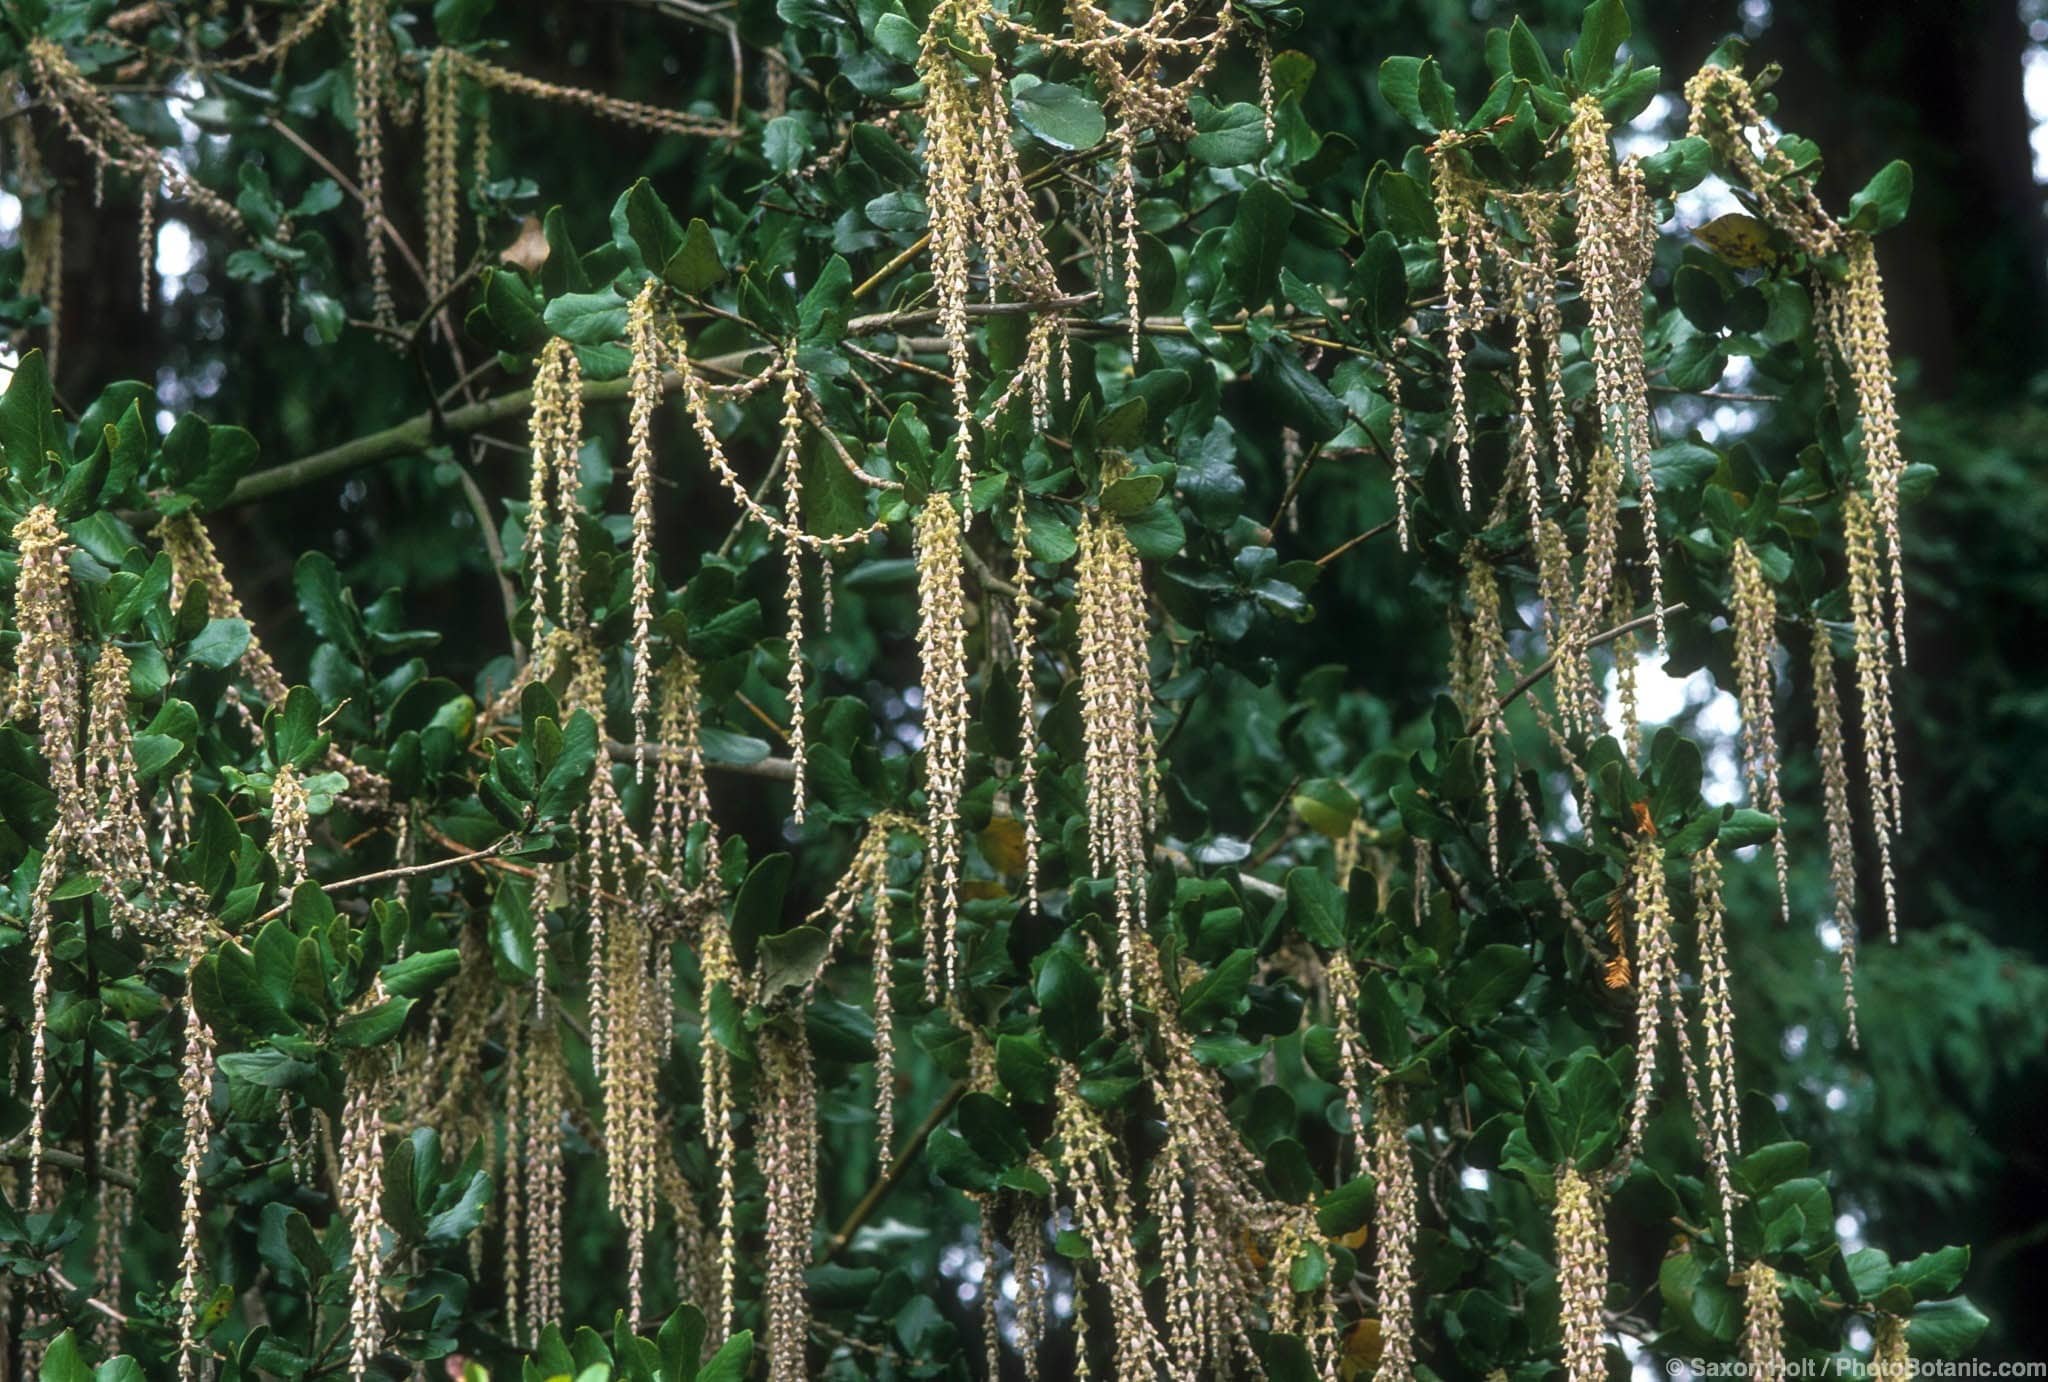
point(1827, 708)
point(1754, 610)
point(370, 47)
point(787, 1148)
point(361, 1191)
point(1874, 697)
point(1763, 1322)
point(1617, 235)
point(1116, 719)
point(1656, 975)
point(1581, 1277)
point(1395, 1226)
point(644, 339)
point(942, 646)
point(1717, 1033)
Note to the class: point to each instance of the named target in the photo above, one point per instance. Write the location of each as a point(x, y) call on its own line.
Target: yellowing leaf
point(1739, 240)
point(1361, 1350)
point(1002, 844)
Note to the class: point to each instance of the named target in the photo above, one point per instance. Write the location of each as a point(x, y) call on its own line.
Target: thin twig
point(911, 1148)
point(386, 875)
point(1341, 548)
point(1543, 669)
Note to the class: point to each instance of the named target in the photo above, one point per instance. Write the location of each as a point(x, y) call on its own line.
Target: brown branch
point(1341, 548)
point(386, 875)
point(902, 1163)
point(72, 1161)
point(1544, 668)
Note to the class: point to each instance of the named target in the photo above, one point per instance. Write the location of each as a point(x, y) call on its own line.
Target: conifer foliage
point(862, 873)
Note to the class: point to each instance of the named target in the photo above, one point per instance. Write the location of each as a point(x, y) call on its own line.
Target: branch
point(775, 769)
point(72, 1161)
point(1341, 548)
point(1543, 669)
point(904, 1158)
point(415, 434)
point(386, 875)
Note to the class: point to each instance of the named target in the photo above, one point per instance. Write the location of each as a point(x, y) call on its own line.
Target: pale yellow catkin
point(1722, 1135)
point(1617, 236)
point(1874, 697)
point(370, 47)
point(1116, 717)
point(1581, 1277)
point(1395, 1226)
point(942, 647)
point(361, 1190)
point(1656, 975)
point(1763, 1322)
point(644, 339)
point(787, 1149)
point(1827, 706)
point(1754, 608)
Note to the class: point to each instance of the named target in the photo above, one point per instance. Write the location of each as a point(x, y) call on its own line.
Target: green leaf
point(1025, 1068)
point(757, 909)
point(784, 143)
point(373, 1026)
point(644, 227)
point(329, 608)
point(1602, 30)
point(730, 1363)
point(1071, 1001)
point(1883, 201)
point(792, 959)
point(1945, 1328)
point(1380, 285)
point(695, 266)
point(1488, 982)
point(587, 318)
point(421, 972)
point(1316, 907)
point(62, 1361)
point(1747, 827)
point(1130, 493)
point(1526, 57)
point(1061, 116)
point(30, 431)
point(1230, 137)
point(220, 644)
point(1220, 993)
point(1258, 237)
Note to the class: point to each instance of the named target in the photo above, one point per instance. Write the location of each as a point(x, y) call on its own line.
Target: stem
point(72, 1161)
point(1341, 548)
point(904, 1158)
point(386, 875)
point(1543, 669)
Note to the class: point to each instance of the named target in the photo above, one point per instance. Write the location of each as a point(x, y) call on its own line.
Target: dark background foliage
point(1934, 1128)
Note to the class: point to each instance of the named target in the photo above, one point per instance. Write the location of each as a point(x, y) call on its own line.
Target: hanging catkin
point(942, 645)
point(1717, 1032)
point(643, 337)
point(1116, 721)
point(1656, 975)
point(1617, 234)
point(787, 1147)
point(1581, 1277)
point(1763, 1322)
point(1754, 608)
point(1827, 709)
point(1395, 1226)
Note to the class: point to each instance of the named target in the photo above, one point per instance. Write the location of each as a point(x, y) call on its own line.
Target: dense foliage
point(921, 916)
